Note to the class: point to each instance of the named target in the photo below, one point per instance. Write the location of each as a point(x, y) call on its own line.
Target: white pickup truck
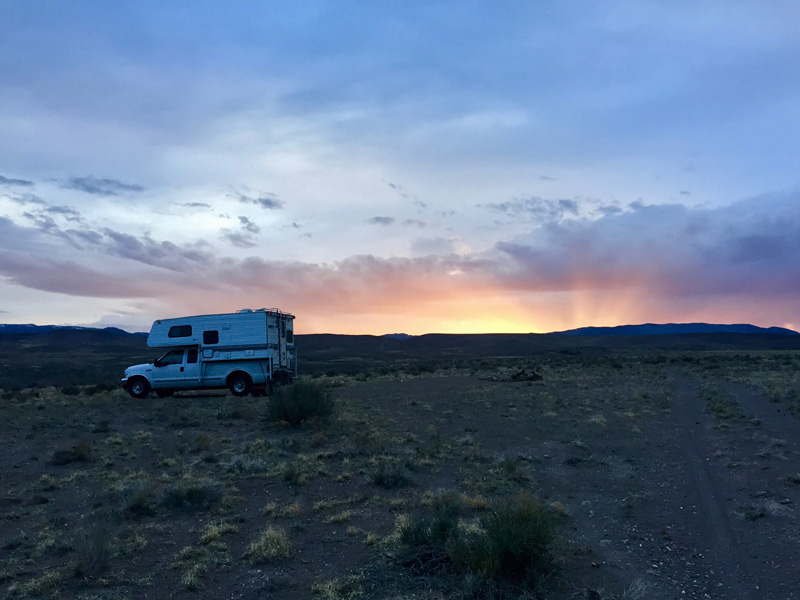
point(246, 351)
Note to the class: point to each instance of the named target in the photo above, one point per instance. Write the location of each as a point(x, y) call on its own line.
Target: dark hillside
point(92, 356)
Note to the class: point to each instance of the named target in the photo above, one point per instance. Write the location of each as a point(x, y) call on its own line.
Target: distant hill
point(31, 328)
point(675, 329)
point(397, 336)
point(36, 356)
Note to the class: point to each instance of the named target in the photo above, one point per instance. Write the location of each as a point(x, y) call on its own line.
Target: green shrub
point(520, 538)
point(191, 493)
point(70, 390)
point(513, 543)
point(390, 475)
point(300, 402)
point(137, 498)
point(93, 549)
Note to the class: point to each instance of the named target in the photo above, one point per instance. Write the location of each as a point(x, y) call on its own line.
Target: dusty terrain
point(675, 474)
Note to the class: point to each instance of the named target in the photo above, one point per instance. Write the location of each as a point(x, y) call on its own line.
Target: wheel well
point(233, 374)
point(142, 377)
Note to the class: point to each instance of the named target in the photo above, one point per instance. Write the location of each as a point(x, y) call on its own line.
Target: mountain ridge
point(643, 329)
point(675, 329)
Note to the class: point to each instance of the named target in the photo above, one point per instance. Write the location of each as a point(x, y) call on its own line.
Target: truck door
point(168, 371)
point(191, 368)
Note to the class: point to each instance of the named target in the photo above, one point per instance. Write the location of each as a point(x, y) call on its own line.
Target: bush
point(271, 545)
point(514, 543)
point(519, 545)
point(390, 475)
point(300, 402)
point(137, 498)
point(93, 549)
point(191, 493)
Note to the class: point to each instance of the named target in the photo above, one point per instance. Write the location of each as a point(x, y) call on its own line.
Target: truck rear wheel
point(240, 384)
point(139, 387)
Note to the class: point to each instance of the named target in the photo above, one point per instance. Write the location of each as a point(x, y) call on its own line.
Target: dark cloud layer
point(751, 247)
point(17, 182)
point(667, 253)
point(100, 186)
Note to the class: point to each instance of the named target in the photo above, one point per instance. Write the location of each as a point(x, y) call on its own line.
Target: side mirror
point(158, 363)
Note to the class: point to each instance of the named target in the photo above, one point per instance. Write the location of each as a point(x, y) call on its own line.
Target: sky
point(416, 167)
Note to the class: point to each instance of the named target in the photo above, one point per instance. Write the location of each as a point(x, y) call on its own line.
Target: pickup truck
point(246, 351)
point(185, 369)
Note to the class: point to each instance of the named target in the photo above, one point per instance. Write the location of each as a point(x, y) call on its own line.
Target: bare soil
point(677, 478)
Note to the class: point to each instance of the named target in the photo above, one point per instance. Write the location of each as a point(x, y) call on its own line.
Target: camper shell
point(247, 350)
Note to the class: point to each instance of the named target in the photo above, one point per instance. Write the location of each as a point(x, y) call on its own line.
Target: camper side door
point(282, 341)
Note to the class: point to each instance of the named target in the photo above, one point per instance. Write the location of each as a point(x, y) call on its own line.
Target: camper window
point(178, 331)
point(191, 356)
point(211, 337)
point(289, 337)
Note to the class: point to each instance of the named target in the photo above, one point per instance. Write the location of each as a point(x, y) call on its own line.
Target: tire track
point(724, 572)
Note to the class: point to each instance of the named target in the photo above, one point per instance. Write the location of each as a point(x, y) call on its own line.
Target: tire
point(164, 393)
point(240, 384)
point(139, 387)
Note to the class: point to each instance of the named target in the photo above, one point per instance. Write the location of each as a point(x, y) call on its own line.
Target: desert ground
point(663, 474)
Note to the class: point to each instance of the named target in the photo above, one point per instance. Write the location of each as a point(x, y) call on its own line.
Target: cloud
point(266, 201)
point(539, 209)
point(68, 277)
point(43, 222)
point(415, 223)
point(31, 260)
point(751, 248)
point(427, 246)
point(195, 205)
point(646, 261)
point(66, 211)
point(18, 182)
point(248, 225)
point(240, 240)
point(26, 199)
point(380, 221)
point(164, 255)
point(100, 187)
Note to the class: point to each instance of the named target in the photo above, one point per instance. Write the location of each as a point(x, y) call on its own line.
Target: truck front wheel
point(139, 387)
point(240, 384)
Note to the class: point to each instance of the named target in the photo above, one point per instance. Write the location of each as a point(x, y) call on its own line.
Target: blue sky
point(375, 167)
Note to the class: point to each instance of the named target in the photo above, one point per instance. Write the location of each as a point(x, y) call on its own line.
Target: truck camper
point(246, 351)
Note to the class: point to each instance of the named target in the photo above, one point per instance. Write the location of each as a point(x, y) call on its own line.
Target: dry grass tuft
point(272, 544)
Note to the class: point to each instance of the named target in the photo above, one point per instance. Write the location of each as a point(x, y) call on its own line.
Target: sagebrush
point(300, 402)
